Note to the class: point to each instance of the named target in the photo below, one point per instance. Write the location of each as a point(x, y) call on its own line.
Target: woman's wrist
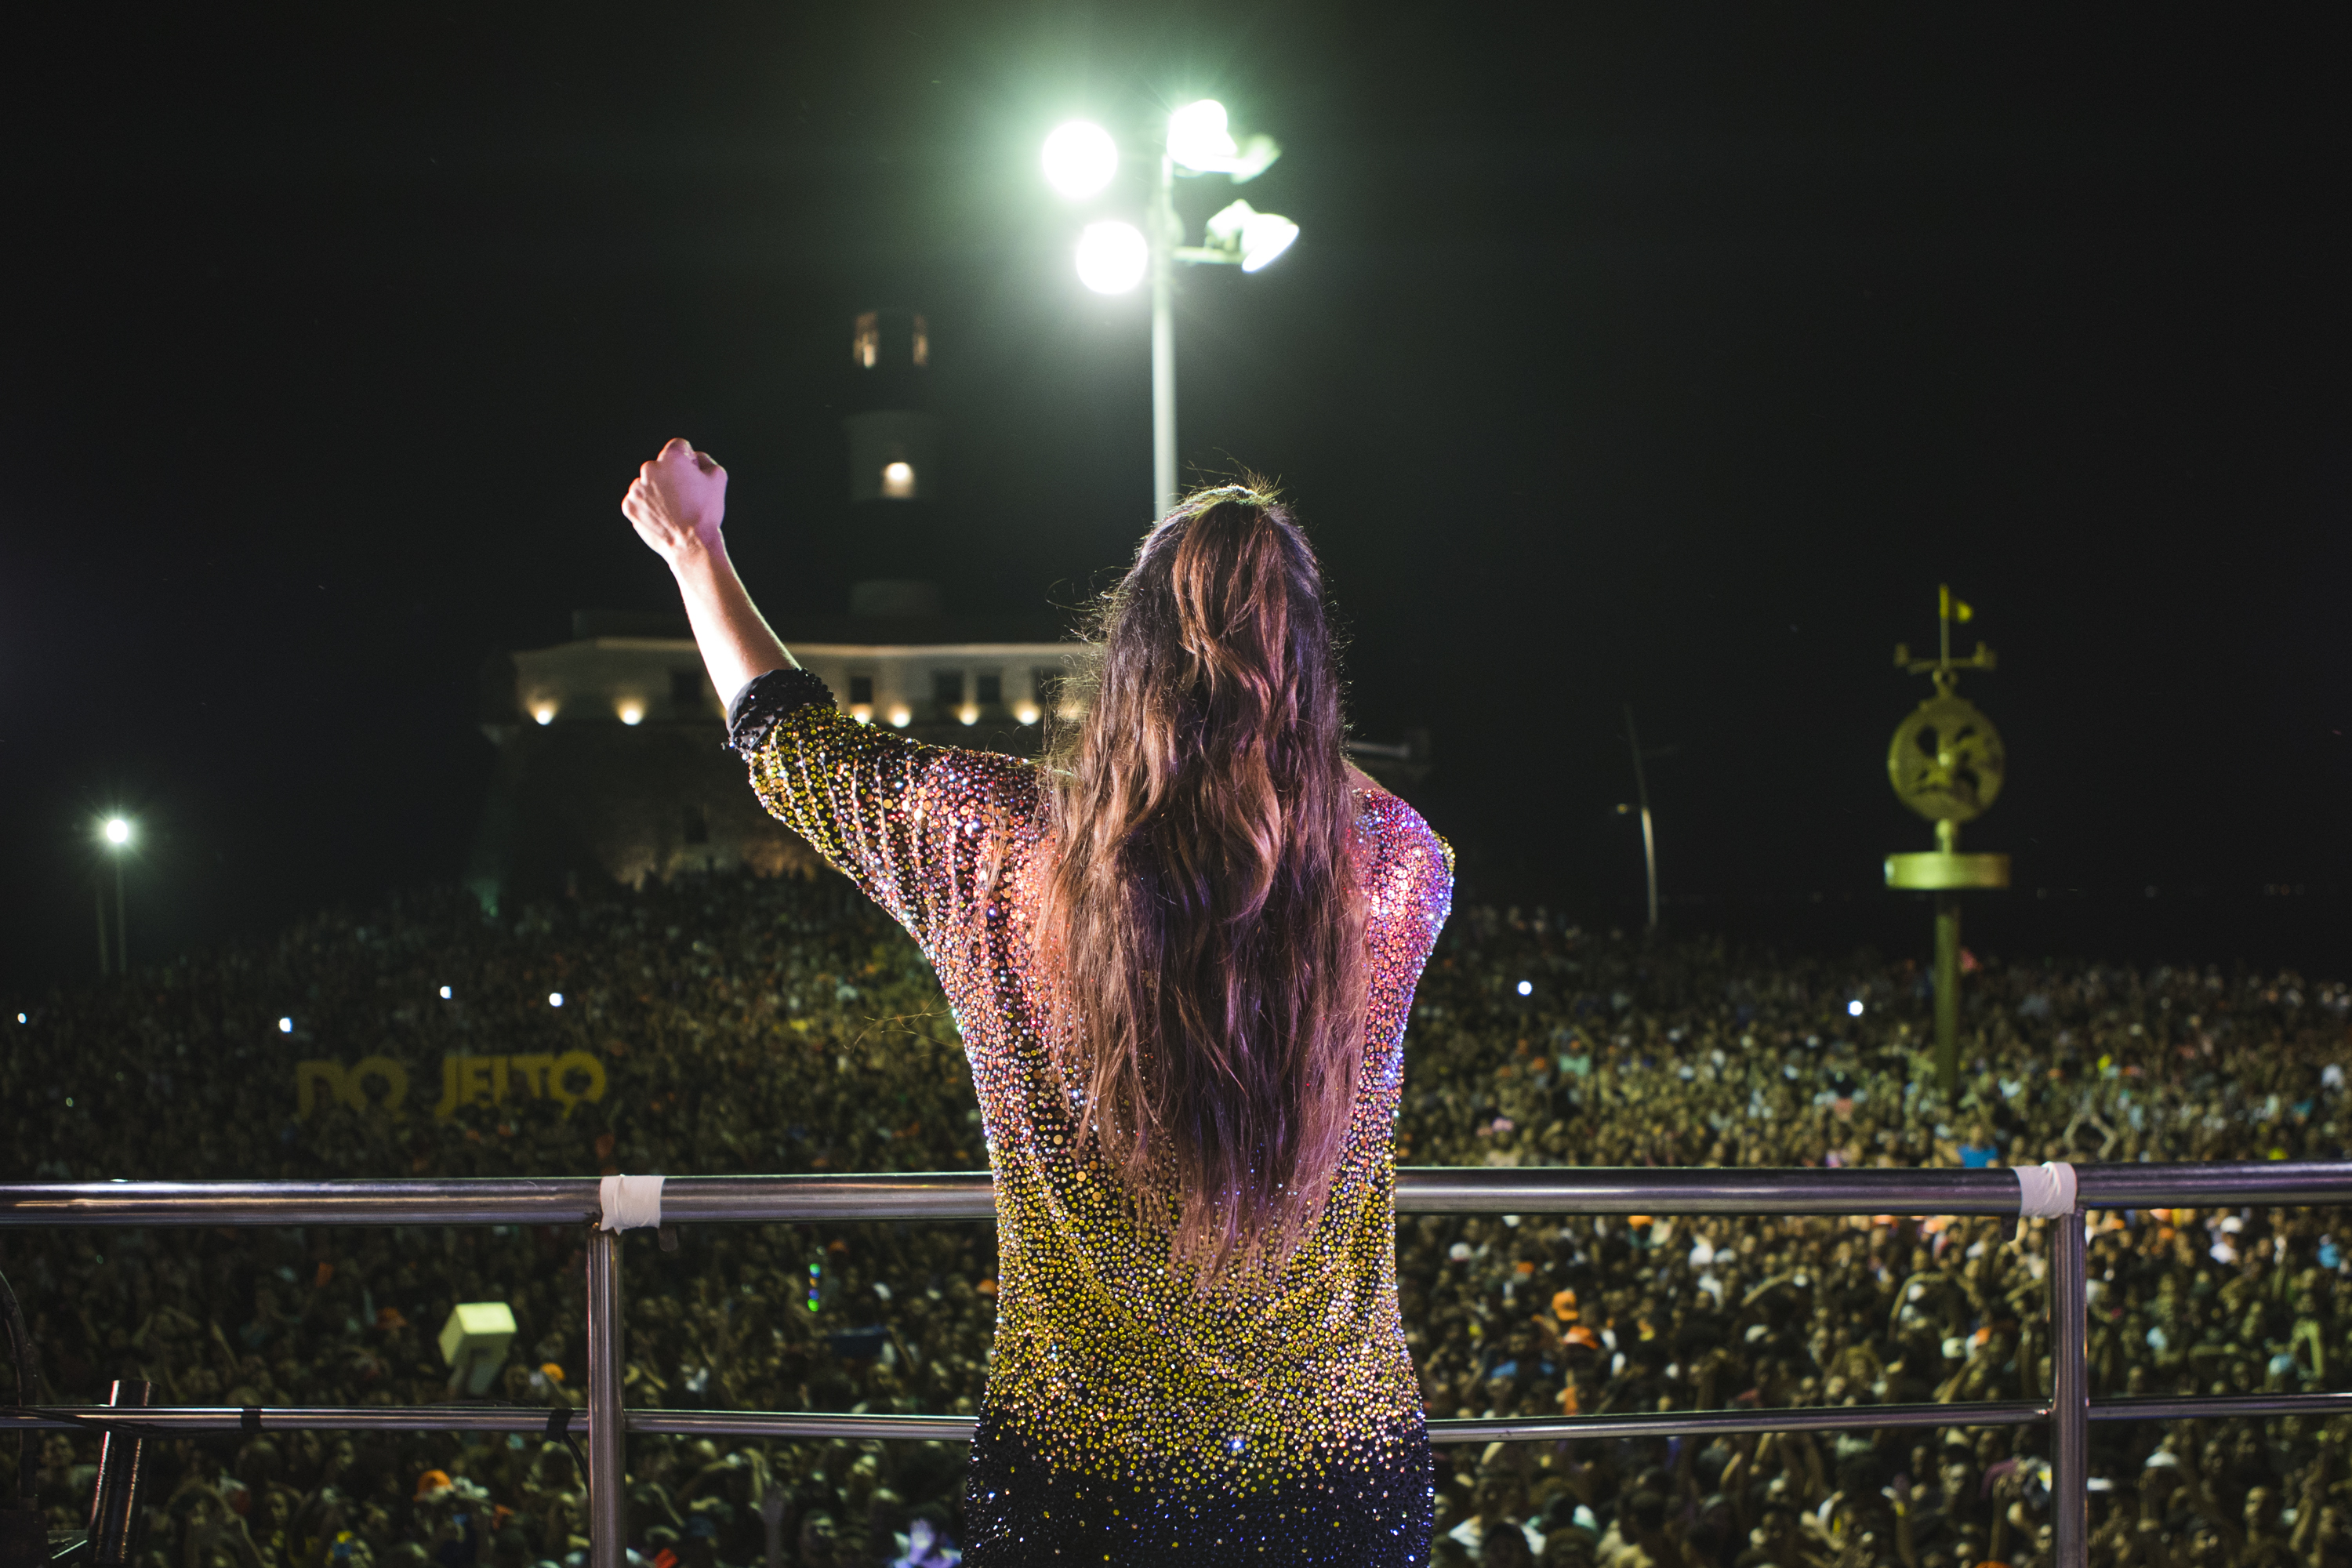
point(698, 555)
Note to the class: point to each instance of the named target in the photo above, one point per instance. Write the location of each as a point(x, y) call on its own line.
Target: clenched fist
point(677, 502)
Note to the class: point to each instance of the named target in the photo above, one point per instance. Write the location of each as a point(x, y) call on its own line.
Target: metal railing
point(695, 1200)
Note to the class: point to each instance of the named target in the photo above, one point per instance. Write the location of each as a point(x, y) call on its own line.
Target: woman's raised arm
point(676, 504)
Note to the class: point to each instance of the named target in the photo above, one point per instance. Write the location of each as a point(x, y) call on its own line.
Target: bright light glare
point(544, 712)
point(284, 1026)
point(1526, 987)
point(901, 717)
point(1112, 256)
point(1080, 158)
point(862, 712)
point(444, 993)
point(1027, 714)
point(555, 999)
point(969, 713)
point(1197, 137)
point(632, 712)
point(117, 830)
point(1853, 1009)
point(899, 481)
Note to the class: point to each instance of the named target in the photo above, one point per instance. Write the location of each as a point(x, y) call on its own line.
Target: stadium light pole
point(1080, 160)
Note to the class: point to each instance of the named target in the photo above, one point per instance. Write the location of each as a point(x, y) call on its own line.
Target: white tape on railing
point(2045, 1191)
point(634, 1202)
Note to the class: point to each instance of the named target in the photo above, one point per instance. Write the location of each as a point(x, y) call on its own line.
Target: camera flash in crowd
point(555, 999)
point(1526, 987)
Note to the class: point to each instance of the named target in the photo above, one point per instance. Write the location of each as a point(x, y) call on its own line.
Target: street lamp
point(1649, 828)
point(117, 832)
point(1081, 157)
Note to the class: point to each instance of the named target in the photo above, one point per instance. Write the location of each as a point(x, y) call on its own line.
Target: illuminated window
point(947, 687)
point(865, 347)
point(922, 341)
point(988, 690)
point(899, 481)
point(861, 689)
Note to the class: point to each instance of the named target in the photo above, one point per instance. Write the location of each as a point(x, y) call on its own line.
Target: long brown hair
point(1202, 911)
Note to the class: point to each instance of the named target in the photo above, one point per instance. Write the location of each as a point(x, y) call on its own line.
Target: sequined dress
point(1126, 1421)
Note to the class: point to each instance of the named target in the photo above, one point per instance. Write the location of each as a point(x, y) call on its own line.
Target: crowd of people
point(736, 1025)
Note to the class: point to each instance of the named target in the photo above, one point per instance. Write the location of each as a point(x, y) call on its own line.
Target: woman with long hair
point(1182, 950)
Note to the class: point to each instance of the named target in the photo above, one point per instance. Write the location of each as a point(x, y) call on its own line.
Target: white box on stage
point(473, 1343)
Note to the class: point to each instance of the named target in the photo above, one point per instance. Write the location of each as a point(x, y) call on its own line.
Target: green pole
point(1948, 997)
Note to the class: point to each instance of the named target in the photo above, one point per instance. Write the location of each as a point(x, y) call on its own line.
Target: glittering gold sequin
point(1127, 1417)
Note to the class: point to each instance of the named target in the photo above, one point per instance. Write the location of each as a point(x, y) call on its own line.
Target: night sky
point(1630, 354)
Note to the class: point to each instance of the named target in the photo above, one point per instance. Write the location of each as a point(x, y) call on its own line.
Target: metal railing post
point(114, 1506)
point(2070, 1395)
point(608, 1501)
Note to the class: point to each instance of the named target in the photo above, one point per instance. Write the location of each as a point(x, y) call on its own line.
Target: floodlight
point(544, 712)
point(1197, 137)
point(901, 717)
point(1112, 256)
point(118, 831)
point(632, 712)
point(1266, 236)
point(1027, 714)
point(969, 713)
point(1080, 158)
point(1199, 143)
point(898, 481)
point(1254, 237)
point(1258, 156)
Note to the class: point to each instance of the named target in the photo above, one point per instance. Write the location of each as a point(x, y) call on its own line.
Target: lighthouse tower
point(898, 534)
